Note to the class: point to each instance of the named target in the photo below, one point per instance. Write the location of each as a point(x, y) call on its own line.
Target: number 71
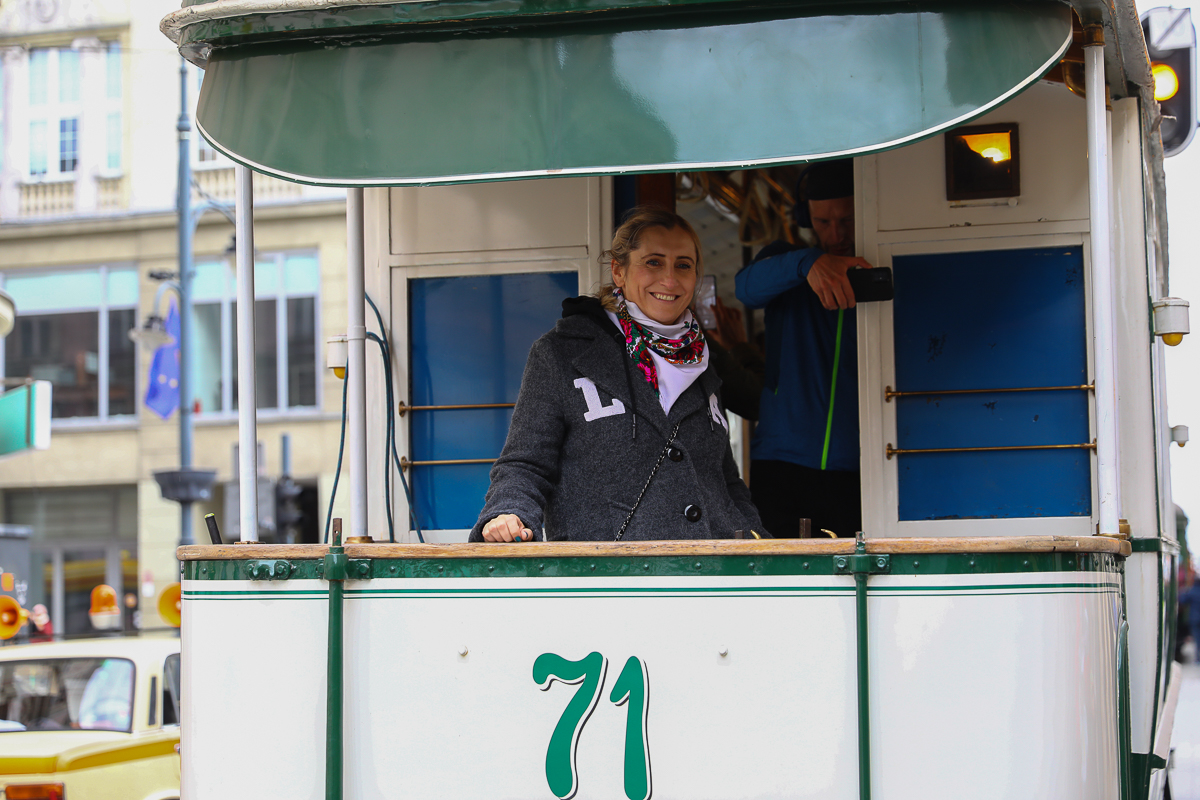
point(632, 689)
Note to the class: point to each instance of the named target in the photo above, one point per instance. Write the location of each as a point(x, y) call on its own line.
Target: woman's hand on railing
point(506, 528)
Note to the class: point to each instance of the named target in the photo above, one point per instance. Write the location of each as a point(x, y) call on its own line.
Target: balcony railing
point(47, 198)
point(110, 193)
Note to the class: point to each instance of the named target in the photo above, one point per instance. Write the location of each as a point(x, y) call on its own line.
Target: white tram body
point(1005, 627)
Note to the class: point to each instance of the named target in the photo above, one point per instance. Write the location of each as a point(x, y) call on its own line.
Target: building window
point(54, 110)
point(73, 331)
point(113, 129)
point(285, 340)
point(68, 145)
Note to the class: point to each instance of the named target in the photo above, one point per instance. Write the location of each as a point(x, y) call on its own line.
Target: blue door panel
point(998, 319)
point(994, 419)
point(991, 320)
point(989, 485)
point(469, 338)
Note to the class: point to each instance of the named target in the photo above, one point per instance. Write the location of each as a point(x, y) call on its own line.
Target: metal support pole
point(183, 201)
point(356, 345)
point(864, 688)
point(861, 565)
point(1103, 317)
point(247, 396)
point(335, 573)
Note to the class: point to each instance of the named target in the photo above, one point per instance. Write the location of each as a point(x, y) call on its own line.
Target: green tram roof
point(363, 93)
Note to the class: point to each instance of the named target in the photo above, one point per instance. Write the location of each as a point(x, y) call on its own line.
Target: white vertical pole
point(247, 396)
point(1103, 318)
point(356, 362)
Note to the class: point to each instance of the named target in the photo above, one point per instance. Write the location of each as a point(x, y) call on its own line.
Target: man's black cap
point(828, 180)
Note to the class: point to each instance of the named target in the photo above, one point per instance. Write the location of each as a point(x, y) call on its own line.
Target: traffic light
point(1171, 41)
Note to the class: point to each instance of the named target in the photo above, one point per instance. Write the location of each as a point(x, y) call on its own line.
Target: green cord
point(837, 354)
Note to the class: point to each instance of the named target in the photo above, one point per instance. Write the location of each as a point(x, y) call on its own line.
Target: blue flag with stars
point(162, 393)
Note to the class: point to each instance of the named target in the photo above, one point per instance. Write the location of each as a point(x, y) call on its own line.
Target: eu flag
point(162, 393)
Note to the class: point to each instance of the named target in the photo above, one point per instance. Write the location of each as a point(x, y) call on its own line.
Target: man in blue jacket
point(804, 455)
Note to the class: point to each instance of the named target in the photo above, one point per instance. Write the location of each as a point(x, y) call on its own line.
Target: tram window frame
point(958, 185)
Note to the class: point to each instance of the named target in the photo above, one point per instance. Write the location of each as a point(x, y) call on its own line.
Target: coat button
point(692, 513)
point(674, 453)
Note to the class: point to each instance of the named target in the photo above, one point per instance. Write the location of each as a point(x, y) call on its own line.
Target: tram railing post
point(861, 565)
point(335, 570)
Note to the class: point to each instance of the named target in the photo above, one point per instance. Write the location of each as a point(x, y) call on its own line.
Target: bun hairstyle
point(628, 237)
point(825, 180)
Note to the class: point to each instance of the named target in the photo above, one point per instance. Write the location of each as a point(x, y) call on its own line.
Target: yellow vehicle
point(96, 718)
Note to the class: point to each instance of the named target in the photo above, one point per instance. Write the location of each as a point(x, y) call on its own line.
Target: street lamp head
point(152, 334)
point(8, 314)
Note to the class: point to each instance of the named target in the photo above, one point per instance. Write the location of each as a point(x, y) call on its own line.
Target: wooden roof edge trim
point(779, 547)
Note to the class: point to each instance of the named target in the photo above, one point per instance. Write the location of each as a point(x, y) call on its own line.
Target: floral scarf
point(685, 351)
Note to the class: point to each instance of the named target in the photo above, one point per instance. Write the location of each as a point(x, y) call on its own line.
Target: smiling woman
point(574, 462)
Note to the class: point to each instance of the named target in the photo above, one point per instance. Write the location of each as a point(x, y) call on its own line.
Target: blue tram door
point(991, 382)
point(477, 273)
point(469, 338)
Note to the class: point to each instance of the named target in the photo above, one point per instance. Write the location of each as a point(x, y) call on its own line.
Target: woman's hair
point(628, 237)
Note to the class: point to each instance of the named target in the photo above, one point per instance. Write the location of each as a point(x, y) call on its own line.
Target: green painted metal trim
point(864, 687)
point(1154, 546)
point(1124, 717)
point(335, 564)
point(739, 565)
point(619, 96)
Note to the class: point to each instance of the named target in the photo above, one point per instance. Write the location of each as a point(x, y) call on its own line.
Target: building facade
point(89, 102)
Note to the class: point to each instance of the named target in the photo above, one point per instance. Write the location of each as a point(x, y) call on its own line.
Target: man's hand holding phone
point(827, 277)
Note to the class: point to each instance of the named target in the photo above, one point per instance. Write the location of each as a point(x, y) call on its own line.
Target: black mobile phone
point(871, 285)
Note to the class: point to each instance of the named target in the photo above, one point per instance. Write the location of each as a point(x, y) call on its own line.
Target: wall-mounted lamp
point(983, 161)
point(335, 355)
point(1171, 319)
point(1179, 434)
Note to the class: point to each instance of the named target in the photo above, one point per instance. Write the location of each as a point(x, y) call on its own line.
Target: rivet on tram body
point(593, 567)
point(541, 567)
point(972, 563)
point(751, 565)
point(392, 569)
point(881, 563)
point(697, 565)
point(441, 568)
point(645, 566)
point(491, 567)
point(806, 565)
point(723, 652)
point(916, 563)
point(462, 651)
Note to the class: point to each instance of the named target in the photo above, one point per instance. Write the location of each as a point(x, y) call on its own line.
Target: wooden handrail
point(720, 547)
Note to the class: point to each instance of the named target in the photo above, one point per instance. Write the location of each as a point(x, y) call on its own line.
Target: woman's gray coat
point(572, 464)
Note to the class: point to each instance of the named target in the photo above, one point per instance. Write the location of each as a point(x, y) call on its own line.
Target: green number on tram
point(632, 689)
point(589, 672)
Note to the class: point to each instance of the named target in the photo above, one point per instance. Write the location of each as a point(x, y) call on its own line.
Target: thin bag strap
point(641, 494)
point(837, 354)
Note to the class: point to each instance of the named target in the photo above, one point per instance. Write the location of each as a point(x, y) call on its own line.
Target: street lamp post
point(184, 485)
point(187, 400)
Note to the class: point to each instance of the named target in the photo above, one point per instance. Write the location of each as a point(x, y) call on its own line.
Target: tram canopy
point(414, 105)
